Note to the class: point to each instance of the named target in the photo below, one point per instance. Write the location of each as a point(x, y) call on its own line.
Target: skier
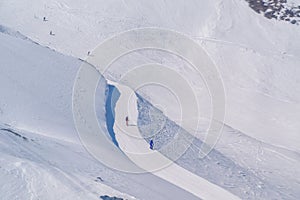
point(51, 33)
point(151, 144)
point(44, 19)
point(126, 119)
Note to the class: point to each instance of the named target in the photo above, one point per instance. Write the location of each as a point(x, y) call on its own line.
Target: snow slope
point(257, 57)
point(36, 86)
point(137, 149)
point(41, 154)
point(43, 167)
point(39, 167)
point(255, 176)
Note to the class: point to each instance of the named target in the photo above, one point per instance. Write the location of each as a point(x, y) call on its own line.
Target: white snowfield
point(41, 156)
point(137, 149)
point(257, 58)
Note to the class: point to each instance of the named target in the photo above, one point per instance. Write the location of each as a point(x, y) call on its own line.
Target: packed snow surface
point(257, 58)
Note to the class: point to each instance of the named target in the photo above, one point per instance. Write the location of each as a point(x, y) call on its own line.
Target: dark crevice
point(106, 197)
point(112, 96)
point(14, 133)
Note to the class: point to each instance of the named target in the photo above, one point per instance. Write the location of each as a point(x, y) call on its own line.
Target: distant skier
point(88, 53)
point(44, 19)
point(151, 144)
point(51, 33)
point(127, 120)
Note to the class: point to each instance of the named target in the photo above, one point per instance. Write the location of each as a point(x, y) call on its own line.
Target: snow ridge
point(243, 181)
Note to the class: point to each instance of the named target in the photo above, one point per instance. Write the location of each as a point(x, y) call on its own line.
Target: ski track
point(133, 145)
point(225, 31)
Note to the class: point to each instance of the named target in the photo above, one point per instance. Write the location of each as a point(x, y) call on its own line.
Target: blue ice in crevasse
point(112, 96)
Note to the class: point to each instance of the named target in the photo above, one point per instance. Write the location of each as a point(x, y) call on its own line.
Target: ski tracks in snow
point(135, 147)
